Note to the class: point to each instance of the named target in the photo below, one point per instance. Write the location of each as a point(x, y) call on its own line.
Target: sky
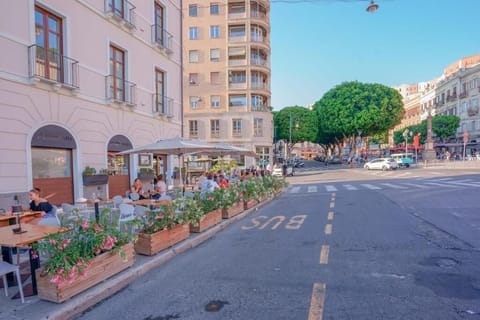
point(318, 44)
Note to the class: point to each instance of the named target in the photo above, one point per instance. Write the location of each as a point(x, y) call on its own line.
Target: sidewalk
point(458, 164)
point(34, 308)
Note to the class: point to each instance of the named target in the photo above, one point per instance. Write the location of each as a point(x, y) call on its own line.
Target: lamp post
point(405, 134)
point(290, 134)
point(465, 140)
point(359, 143)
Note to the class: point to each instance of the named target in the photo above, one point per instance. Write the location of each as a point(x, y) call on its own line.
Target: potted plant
point(161, 229)
point(231, 201)
point(91, 178)
point(146, 174)
point(249, 192)
point(204, 212)
point(88, 253)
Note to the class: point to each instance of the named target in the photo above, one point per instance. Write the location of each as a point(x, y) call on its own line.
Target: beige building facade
point(226, 74)
point(80, 81)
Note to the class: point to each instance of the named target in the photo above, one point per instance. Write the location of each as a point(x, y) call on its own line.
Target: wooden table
point(149, 202)
point(33, 233)
point(9, 219)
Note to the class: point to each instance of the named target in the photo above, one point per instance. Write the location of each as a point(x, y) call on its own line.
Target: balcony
point(237, 62)
point(215, 134)
point(121, 11)
point(463, 94)
point(451, 98)
point(119, 90)
point(237, 133)
point(51, 66)
point(162, 38)
point(162, 105)
point(260, 108)
point(257, 14)
point(237, 85)
point(193, 134)
point(259, 62)
point(259, 86)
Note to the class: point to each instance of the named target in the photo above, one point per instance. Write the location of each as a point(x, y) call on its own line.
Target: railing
point(120, 90)
point(162, 37)
point(463, 94)
point(49, 65)
point(193, 134)
point(259, 85)
point(237, 133)
point(162, 105)
point(258, 14)
point(215, 134)
point(258, 132)
point(124, 10)
point(261, 108)
point(259, 62)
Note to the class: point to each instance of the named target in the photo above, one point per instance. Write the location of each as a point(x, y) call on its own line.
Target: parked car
point(277, 171)
point(403, 159)
point(381, 164)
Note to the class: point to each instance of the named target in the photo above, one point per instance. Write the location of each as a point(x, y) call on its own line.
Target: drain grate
point(215, 305)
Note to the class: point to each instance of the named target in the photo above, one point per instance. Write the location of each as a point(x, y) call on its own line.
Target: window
point(51, 163)
point(257, 34)
point(214, 32)
point(236, 127)
point(160, 99)
point(214, 55)
point(48, 38)
point(193, 33)
point(263, 154)
point(215, 101)
point(193, 10)
point(236, 9)
point(117, 72)
point(236, 31)
point(237, 100)
point(237, 77)
point(258, 127)
point(117, 7)
point(159, 23)
point(193, 128)
point(215, 128)
point(195, 102)
point(193, 56)
point(214, 9)
point(193, 79)
point(215, 77)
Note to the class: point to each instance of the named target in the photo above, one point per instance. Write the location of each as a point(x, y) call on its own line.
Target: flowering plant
point(211, 201)
point(230, 196)
point(164, 218)
point(69, 253)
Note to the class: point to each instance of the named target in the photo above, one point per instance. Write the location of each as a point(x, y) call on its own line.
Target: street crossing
point(417, 184)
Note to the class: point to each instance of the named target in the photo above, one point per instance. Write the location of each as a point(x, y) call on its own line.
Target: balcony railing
point(259, 85)
point(194, 134)
point(259, 61)
point(258, 14)
point(121, 10)
point(49, 65)
point(120, 90)
point(261, 108)
point(237, 133)
point(215, 134)
point(162, 105)
point(162, 38)
point(463, 94)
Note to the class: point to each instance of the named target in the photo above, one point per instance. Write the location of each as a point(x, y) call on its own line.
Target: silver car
point(381, 164)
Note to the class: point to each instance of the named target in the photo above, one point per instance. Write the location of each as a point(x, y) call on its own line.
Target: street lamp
point(359, 143)
point(290, 134)
point(405, 134)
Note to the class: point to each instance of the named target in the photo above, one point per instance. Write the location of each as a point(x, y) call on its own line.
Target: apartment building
point(80, 81)
point(227, 74)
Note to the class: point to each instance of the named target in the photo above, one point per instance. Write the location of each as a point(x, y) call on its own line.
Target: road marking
point(371, 187)
point(403, 174)
point(416, 185)
point(330, 215)
point(350, 187)
point(440, 184)
point(464, 184)
point(393, 186)
point(331, 188)
point(443, 179)
point(324, 254)
point(328, 229)
point(312, 188)
point(334, 194)
point(295, 190)
point(332, 204)
point(317, 302)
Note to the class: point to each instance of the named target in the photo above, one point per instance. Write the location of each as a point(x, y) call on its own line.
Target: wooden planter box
point(150, 244)
point(207, 221)
point(249, 204)
point(101, 268)
point(232, 211)
point(95, 180)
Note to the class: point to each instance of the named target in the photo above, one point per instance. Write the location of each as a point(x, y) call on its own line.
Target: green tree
point(295, 124)
point(353, 106)
point(443, 127)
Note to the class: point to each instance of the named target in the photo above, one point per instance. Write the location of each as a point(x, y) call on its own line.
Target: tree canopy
point(353, 106)
point(443, 127)
point(302, 122)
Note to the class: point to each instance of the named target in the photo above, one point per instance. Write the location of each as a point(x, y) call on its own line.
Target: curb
point(89, 298)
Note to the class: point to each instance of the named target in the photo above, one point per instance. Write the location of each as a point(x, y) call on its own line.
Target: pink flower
point(53, 241)
point(109, 243)
point(85, 224)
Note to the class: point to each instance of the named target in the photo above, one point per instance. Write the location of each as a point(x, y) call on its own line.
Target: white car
point(277, 171)
point(381, 164)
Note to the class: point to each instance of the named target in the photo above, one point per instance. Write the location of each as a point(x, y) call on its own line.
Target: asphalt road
point(329, 249)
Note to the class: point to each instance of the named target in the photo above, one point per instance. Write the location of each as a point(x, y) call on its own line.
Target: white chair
point(117, 201)
point(6, 268)
point(127, 213)
point(51, 219)
point(140, 211)
point(134, 196)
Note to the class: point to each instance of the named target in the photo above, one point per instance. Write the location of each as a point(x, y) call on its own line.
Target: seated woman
point(40, 204)
point(137, 188)
point(161, 187)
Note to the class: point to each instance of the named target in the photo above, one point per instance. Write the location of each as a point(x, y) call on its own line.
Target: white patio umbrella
point(175, 146)
point(224, 149)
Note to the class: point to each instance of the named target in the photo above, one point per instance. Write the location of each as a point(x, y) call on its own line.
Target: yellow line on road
point(317, 302)
point(324, 254)
point(330, 215)
point(332, 204)
point(328, 229)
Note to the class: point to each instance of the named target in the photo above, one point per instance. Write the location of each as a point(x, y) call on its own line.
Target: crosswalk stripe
point(331, 188)
point(371, 187)
point(416, 185)
point(295, 190)
point(403, 174)
point(464, 184)
point(393, 186)
point(443, 179)
point(440, 184)
point(312, 188)
point(350, 187)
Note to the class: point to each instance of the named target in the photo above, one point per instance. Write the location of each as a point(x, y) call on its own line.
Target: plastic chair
point(51, 219)
point(140, 211)
point(6, 268)
point(127, 213)
point(134, 196)
point(117, 201)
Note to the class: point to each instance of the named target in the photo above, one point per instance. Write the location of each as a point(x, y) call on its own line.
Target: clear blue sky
point(318, 44)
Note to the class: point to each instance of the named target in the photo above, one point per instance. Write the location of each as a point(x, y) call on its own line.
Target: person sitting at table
point(137, 188)
point(38, 203)
point(161, 186)
point(222, 182)
point(208, 185)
